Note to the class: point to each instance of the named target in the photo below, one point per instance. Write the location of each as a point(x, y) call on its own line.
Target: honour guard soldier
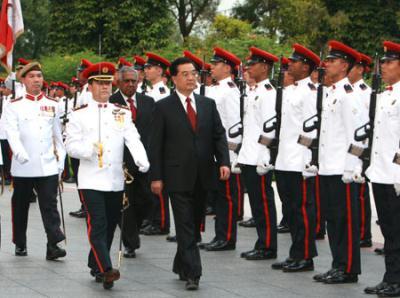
point(364, 91)
point(341, 115)
point(226, 96)
point(96, 134)
point(34, 133)
point(154, 70)
point(298, 104)
point(139, 194)
point(254, 157)
point(139, 64)
point(384, 174)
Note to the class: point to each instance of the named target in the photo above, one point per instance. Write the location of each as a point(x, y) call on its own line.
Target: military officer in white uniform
point(96, 135)
point(154, 70)
point(34, 134)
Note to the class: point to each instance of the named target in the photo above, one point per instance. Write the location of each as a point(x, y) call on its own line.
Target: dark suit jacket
point(145, 109)
point(178, 155)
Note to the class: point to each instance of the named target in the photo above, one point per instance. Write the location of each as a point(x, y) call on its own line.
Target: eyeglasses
point(186, 74)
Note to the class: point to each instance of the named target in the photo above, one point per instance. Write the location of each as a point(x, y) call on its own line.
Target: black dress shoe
point(203, 245)
point(282, 229)
point(78, 213)
point(299, 266)
point(250, 223)
point(320, 236)
point(129, 253)
point(376, 289)
point(245, 253)
point(280, 265)
point(391, 290)
point(321, 277)
point(221, 245)
point(153, 230)
point(366, 243)
point(171, 238)
point(340, 277)
point(98, 276)
point(379, 251)
point(210, 210)
point(145, 223)
point(109, 277)
point(261, 254)
point(21, 251)
point(70, 180)
point(192, 284)
point(54, 252)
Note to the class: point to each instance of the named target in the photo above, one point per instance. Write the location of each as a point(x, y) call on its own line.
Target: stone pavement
point(225, 274)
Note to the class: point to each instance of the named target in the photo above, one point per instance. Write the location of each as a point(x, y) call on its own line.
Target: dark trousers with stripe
point(226, 210)
point(301, 213)
point(160, 211)
point(188, 209)
point(139, 196)
point(262, 203)
point(46, 188)
point(103, 214)
point(240, 191)
point(320, 210)
point(342, 222)
point(388, 209)
point(283, 187)
point(364, 211)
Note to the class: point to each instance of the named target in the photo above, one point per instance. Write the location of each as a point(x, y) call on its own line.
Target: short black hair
point(173, 69)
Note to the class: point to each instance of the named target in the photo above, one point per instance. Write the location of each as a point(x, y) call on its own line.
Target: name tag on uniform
point(47, 111)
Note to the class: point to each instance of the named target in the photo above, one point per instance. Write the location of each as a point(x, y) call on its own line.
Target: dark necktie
point(191, 114)
point(133, 108)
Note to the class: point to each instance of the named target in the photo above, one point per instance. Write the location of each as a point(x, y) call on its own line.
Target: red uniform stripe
point(349, 230)
point(305, 221)
point(230, 210)
point(362, 206)
point(266, 213)
point(318, 205)
point(162, 209)
point(239, 195)
point(88, 219)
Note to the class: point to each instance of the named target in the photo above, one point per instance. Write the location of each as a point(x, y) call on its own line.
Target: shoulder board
point(312, 86)
point(268, 87)
point(16, 99)
point(122, 106)
point(80, 107)
point(162, 90)
point(231, 84)
point(348, 88)
point(363, 86)
point(51, 98)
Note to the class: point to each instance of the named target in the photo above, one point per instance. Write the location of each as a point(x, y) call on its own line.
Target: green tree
point(121, 26)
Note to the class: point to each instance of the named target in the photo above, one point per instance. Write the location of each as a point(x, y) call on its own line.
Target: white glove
point(22, 157)
point(311, 169)
point(397, 188)
point(143, 166)
point(307, 174)
point(347, 177)
point(235, 168)
point(263, 165)
point(358, 178)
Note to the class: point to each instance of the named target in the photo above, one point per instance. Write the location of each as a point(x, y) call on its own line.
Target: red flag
point(11, 26)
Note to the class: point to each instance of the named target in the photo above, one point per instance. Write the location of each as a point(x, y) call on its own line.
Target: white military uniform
point(298, 104)
point(227, 100)
point(259, 107)
point(116, 131)
point(19, 87)
point(6, 101)
point(341, 116)
point(84, 96)
point(158, 91)
point(386, 138)
point(34, 134)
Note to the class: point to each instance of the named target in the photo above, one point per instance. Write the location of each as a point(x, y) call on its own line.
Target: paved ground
point(225, 274)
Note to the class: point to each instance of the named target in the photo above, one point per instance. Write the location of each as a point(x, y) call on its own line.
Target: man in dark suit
point(188, 142)
point(139, 194)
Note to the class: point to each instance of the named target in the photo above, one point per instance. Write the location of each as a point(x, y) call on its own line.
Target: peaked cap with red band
point(139, 62)
point(156, 60)
point(257, 55)
point(199, 63)
point(392, 51)
point(340, 50)
point(102, 71)
point(84, 64)
point(53, 84)
point(221, 55)
point(74, 81)
point(301, 53)
point(365, 61)
point(123, 62)
point(285, 62)
point(62, 85)
point(45, 85)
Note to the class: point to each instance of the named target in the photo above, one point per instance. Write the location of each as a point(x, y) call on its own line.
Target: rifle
point(237, 129)
point(144, 86)
point(367, 130)
point(313, 144)
point(75, 98)
point(274, 123)
point(203, 78)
